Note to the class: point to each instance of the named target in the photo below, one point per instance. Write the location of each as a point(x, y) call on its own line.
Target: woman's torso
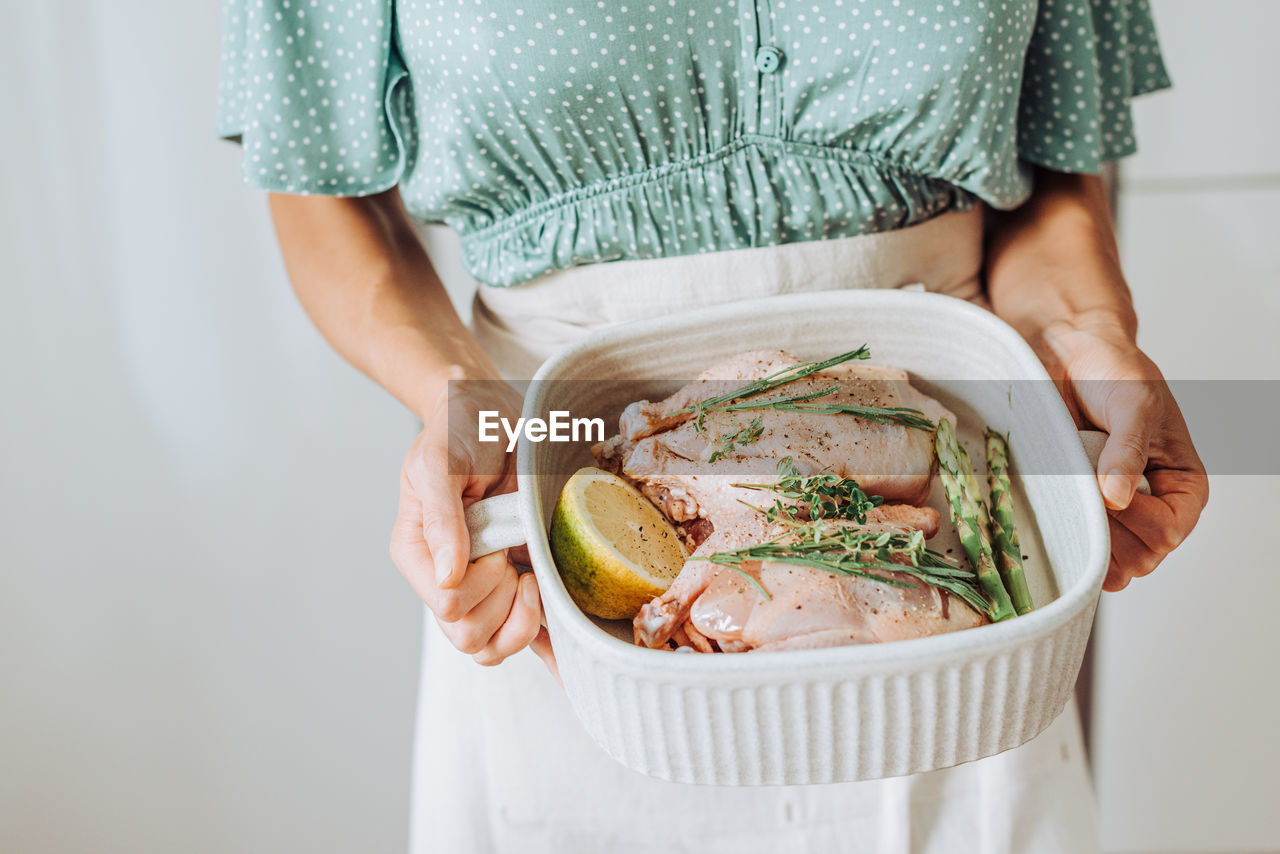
point(553, 135)
point(502, 764)
point(608, 131)
point(557, 133)
point(521, 327)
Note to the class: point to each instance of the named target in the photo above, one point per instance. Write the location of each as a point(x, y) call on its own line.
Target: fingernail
point(530, 593)
point(1116, 487)
point(444, 565)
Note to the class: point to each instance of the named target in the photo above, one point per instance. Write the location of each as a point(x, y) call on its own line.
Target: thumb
point(1132, 415)
point(444, 528)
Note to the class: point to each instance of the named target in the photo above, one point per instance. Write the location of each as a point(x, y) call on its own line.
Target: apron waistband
point(519, 327)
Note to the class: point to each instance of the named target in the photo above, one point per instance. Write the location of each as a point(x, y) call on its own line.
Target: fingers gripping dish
point(798, 490)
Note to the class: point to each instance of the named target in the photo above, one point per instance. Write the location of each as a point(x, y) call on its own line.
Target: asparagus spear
point(1004, 537)
point(965, 497)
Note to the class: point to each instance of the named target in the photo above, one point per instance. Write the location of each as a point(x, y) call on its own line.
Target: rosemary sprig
point(746, 436)
point(791, 373)
point(901, 415)
point(850, 552)
point(826, 494)
point(749, 577)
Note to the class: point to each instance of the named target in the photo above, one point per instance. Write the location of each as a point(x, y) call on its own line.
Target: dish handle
point(1094, 441)
point(494, 524)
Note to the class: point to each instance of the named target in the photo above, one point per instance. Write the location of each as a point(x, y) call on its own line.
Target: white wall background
point(203, 646)
point(1186, 698)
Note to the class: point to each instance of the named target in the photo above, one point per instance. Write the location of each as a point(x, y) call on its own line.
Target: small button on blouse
point(768, 59)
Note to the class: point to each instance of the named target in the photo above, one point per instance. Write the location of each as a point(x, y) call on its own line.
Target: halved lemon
point(614, 549)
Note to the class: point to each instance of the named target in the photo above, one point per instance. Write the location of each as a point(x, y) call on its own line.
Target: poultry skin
point(669, 458)
point(710, 607)
point(699, 472)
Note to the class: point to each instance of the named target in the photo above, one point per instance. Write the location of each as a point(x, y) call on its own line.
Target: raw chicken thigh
point(669, 458)
point(701, 477)
point(711, 607)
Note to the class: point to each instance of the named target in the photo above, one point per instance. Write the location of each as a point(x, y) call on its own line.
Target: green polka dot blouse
point(551, 133)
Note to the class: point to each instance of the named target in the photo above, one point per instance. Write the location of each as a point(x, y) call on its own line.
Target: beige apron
point(501, 763)
point(520, 327)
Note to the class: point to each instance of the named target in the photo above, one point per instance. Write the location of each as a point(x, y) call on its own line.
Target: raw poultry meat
point(669, 458)
point(698, 468)
point(710, 607)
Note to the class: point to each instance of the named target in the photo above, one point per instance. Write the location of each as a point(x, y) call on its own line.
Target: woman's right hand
point(360, 270)
point(486, 608)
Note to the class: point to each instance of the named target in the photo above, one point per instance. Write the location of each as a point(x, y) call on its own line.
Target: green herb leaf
point(852, 552)
point(749, 577)
point(783, 376)
point(825, 494)
point(900, 415)
point(746, 436)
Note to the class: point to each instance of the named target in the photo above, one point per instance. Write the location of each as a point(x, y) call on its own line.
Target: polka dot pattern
point(551, 133)
point(310, 88)
point(1087, 59)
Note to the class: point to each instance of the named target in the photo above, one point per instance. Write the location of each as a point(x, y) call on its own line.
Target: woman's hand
point(1110, 384)
point(1053, 272)
point(486, 608)
point(361, 272)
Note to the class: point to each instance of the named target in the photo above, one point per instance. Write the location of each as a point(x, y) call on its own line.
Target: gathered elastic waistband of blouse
point(519, 327)
point(757, 191)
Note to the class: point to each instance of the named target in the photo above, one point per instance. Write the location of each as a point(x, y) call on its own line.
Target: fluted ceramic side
point(741, 731)
point(847, 713)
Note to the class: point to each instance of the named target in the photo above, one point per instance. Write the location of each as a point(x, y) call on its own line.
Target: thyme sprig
point(865, 554)
point(901, 415)
point(825, 494)
point(729, 442)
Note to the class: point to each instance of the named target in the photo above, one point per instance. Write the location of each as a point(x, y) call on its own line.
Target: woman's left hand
point(1109, 383)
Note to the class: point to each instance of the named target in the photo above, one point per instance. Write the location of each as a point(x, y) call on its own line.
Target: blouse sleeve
point(1086, 60)
point(311, 90)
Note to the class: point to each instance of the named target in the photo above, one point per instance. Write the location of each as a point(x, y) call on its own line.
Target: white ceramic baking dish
point(846, 713)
